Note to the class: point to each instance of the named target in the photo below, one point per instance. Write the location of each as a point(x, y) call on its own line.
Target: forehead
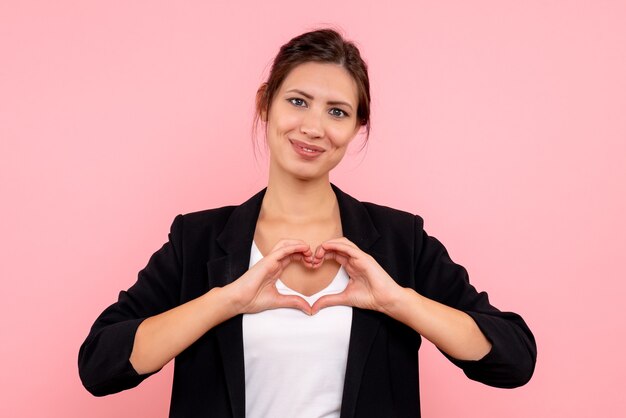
point(325, 81)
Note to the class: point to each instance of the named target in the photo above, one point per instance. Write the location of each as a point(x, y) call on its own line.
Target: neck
point(298, 201)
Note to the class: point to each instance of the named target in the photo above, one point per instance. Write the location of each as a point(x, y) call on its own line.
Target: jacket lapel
point(229, 333)
point(236, 241)
point(357, 227)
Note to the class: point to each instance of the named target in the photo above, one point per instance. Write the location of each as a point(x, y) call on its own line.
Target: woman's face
point(312, 120)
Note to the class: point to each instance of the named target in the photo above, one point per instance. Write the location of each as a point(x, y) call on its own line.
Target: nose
point(312, 125)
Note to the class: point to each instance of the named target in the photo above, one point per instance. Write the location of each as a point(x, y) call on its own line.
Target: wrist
point(227, 298)
point(397, 299)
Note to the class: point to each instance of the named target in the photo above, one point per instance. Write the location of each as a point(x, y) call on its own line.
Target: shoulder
point(207, 217)
point(201, 223)
point(386, 218)
point(368, 222)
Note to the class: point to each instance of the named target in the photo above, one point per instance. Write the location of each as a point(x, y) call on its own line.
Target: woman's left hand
point(369, 285)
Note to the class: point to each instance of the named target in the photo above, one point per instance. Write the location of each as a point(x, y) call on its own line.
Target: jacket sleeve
point(103, 359)
point(511, 361)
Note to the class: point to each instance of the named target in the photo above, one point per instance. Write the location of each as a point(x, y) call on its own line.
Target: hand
point(256, 289)
point(369, 286)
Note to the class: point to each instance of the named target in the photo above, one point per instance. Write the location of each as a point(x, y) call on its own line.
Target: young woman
point(302, 301)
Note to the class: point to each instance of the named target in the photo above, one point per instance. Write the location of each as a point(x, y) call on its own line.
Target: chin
point(307, 176)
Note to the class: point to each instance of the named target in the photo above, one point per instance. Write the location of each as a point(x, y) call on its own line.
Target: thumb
point(295, 302)
point(335, 299)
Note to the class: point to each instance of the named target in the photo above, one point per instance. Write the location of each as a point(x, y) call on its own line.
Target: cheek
point(276, 129)
point(341, 136)
point(283, 119)
point(337, 157)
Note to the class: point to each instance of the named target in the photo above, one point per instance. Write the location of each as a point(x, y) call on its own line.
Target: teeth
point(310, 150)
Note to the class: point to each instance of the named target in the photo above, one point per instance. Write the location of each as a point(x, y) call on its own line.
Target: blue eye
point(297, 101)
point(338, 113)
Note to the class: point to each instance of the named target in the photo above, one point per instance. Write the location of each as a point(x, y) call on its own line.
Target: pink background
point(501, 122)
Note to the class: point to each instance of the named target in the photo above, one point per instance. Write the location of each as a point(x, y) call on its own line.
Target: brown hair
point(324, 46)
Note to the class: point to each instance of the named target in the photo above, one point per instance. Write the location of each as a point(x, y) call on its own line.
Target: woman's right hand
point(162, 337)
point(255, 291)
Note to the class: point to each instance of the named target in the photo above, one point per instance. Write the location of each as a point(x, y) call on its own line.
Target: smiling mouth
point(306, 147)
point(306, 151)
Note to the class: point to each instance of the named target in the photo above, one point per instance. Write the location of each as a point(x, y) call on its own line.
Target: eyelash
point(344, 113)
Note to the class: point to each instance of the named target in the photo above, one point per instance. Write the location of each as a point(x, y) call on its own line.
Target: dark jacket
point(212, 248)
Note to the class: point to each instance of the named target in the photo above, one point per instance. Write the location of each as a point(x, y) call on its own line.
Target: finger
point(334, 249)
point(332, 255)
point(302, 249)
point(343, 240)
point(278, 259)
point(335, 299)
point(303, 257)
point(318, 256)
point(286, 242)
point(293, 301)
point(340, 245)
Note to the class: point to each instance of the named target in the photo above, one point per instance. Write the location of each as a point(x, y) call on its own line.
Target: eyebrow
point(330, 102)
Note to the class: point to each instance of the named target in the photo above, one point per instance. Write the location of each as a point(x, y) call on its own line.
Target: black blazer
point(212, 248)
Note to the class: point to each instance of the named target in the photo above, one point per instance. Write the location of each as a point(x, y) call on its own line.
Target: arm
point(370, 287)
point(451, 330)
point(511, 360)
point(162, 337)
point(493, 347)
point(103, 359)
point(147, 327)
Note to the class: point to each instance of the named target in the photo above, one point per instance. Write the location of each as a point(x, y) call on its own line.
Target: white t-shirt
point(295, 364)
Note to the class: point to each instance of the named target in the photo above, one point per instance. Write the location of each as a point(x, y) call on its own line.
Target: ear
point(261, 103)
